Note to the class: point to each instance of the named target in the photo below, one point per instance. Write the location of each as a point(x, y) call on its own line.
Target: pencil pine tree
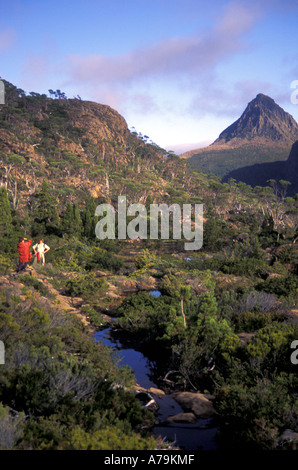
point(45, 214)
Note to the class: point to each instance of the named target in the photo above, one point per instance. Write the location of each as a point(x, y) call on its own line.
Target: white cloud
point(169, 59)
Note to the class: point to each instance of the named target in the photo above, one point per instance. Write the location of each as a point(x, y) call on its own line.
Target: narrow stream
point(187, 436)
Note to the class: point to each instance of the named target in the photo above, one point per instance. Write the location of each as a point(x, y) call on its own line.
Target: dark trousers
point(22, 266)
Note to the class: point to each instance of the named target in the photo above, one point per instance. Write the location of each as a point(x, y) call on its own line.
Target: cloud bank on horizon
point(178, 71)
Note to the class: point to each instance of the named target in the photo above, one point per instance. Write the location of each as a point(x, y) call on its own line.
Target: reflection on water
point(187, 436)
point(140, 365)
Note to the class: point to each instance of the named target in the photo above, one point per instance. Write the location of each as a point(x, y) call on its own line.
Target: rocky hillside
point(80, 148)
point(263, 133)
point(71, 142)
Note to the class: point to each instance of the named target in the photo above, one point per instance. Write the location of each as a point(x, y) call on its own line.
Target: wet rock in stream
point(198, 403)
point(189, 418)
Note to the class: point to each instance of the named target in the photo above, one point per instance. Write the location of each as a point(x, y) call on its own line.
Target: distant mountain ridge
point(264, 133)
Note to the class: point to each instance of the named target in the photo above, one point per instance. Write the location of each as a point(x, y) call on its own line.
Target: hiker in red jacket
point(24, 253)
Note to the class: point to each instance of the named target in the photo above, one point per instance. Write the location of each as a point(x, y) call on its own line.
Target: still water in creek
point(200, 435)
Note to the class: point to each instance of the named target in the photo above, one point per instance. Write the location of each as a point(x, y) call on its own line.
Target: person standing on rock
point(40, 249)
point(24, 253)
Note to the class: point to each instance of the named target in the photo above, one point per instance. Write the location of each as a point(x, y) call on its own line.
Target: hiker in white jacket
point(40, 249)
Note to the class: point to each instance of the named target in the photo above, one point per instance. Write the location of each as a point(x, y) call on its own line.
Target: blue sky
point(179, 71)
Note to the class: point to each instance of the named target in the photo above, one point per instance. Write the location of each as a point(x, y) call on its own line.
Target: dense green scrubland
point(225, 324)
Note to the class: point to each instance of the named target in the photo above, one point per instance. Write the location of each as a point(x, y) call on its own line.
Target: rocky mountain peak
point(262, 119)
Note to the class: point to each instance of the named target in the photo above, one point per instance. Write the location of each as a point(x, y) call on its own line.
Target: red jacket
point(24, 251)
